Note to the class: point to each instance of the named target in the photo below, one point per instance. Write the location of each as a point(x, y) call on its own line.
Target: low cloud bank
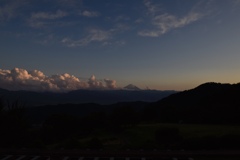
point(21, 79)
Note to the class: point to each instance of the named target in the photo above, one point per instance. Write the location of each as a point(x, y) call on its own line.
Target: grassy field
point(143, 136)
point(191, 130)
point(216, 158)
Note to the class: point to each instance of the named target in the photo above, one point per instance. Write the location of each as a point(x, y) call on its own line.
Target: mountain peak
point(131, 87)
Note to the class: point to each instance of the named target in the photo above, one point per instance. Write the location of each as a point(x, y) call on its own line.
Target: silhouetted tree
point(14, 124)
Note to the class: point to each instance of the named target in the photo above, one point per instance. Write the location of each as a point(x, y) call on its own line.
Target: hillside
point(207, 103)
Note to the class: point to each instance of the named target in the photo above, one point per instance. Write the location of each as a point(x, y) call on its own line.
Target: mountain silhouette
point(207, 103)
point(31, 98)
point(131, 87)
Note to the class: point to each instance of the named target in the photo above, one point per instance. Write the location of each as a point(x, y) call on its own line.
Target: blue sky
point(159, 44)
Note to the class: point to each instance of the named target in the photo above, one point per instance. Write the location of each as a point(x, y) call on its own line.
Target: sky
point(61, 45)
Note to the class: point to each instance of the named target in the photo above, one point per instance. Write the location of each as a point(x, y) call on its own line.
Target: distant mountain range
point(86, 96)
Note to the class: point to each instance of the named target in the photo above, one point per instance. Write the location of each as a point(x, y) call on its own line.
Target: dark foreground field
point(117, 155)
point(146, 137)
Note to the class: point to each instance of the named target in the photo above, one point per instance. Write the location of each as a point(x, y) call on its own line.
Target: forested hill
point(207, 103)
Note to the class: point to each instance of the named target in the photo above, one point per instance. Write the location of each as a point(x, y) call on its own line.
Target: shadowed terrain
point(206, 117)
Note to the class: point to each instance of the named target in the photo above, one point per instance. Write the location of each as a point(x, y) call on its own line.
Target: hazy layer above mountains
point(85, 96)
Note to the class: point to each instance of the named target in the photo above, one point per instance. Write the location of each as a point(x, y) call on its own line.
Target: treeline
point(209, 103)
point(61, 130)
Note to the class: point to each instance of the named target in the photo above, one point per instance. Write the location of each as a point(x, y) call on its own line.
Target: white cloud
point(89, 13)
point(110, 83)
point(21, 79)
point(93, 83)
point(164, 22)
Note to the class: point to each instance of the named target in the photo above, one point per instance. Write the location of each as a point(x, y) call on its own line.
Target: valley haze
point(30, 98)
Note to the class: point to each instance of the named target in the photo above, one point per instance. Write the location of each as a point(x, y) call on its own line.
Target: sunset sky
point(159, 44)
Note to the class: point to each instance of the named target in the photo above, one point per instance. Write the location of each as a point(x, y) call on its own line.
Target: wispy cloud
point(122, 18)
point(164, 22)
point(236, 5)
point(237, 2)
point(42, 19)
point(6, 12)
point(152, 8)
point(94, 35)
point(116, 43)
point(105, 37)
point(87, 13)
point(10, 9)
point(48, 15)
point(139, 20)
point(47, 39)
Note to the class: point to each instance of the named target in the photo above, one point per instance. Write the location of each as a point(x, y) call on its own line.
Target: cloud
point(41, 19)
point(48, 15)
point(139, 20)
point(236, 2)
point(152, 9)
point(121, 18)
point(116, 43)
point(94, 35)
point(6, 12)
point(21, 79)
point(110, 83)
point(10, 9)
point(89, 13)
point(164, 22)
point(93, 83)
point(98, 35)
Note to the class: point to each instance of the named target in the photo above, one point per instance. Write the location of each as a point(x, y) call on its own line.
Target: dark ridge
point(207, 103)
point(85, 96)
